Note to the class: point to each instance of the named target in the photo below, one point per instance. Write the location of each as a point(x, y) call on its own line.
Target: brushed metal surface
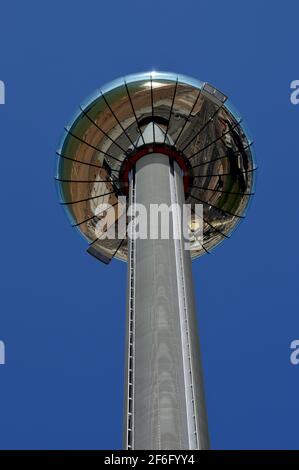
point(161, 392)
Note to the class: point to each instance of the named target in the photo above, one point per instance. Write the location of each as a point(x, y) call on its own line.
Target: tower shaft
point(164, 401)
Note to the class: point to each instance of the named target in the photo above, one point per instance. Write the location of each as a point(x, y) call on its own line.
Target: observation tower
point(148, 140)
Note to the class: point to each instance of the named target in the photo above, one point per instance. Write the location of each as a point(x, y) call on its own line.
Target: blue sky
point(62, 313)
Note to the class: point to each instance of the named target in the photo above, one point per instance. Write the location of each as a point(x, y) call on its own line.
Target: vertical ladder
point(131, 327)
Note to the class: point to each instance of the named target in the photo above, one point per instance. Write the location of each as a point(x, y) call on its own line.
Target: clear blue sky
point(62, 313)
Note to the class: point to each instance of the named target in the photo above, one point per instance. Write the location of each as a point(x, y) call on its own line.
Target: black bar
point(135, 459)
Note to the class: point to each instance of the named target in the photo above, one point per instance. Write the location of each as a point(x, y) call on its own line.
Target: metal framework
point(158, 138)
point(164, 406)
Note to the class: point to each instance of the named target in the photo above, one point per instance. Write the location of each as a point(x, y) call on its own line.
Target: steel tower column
point(165, 406)
point(107, 152)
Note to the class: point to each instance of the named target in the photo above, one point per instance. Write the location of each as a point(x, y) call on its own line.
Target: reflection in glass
point(200, 123)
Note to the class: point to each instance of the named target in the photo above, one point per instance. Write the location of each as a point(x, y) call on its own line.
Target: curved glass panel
point(200, 124)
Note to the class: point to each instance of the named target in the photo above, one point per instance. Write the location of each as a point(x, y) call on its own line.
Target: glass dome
point(201, 125)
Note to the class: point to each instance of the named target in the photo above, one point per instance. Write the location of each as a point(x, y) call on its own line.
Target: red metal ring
point(147, 149)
